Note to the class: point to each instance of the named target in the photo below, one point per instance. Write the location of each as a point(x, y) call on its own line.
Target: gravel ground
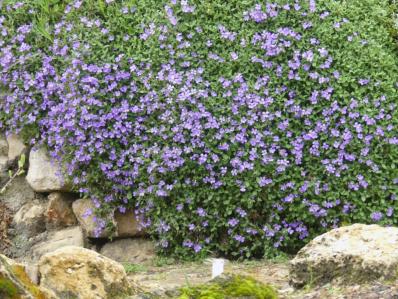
point(163, 280)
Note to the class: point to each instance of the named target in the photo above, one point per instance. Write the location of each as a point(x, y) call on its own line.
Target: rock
point(135, 251)
point(17, 194)
point(3, 154)
point(351, 254)
point(6, 219)
point(67, 237)
point(32, 270)
point(84, 274)
point(59, 210)
point(3, 146)
point(15, 283)
point(82, 209)
point(126, 224)
point(44, 174)
point(16, 146)
point(21, 245)
point(30, 220)
point(3, 163)
point(29, 250)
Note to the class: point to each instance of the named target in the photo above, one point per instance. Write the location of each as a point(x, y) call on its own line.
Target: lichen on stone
point(19, 272)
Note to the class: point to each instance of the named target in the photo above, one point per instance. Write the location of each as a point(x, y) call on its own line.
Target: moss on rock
point(7, 288)
point(229, 287)
point(15, 283)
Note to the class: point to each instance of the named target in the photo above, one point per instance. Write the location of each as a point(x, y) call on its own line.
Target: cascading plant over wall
point(235, 127)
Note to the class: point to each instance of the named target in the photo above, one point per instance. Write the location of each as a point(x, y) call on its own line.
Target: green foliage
point(161, 261)
point(234, 287)
point(7, 289)
point(133, 268)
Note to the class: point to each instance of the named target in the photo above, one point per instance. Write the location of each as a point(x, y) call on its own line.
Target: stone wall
point(47, 215)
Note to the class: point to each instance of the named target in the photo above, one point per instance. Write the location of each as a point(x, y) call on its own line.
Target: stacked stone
point(48, 216)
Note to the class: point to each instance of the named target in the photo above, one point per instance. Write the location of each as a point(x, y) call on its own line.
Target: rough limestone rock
point(16, 147)
point(17, 194)
point(126, 224)
point(3, 153)
point(67, 237)
point(3, 146)
point(59, 210)
point(32, 270)
point(74, 272)
point(30, 219)
point(15, 283)
point(44, 174)
point(82, 209)
point(131, 250)
point(350, 254)
point(3, 163)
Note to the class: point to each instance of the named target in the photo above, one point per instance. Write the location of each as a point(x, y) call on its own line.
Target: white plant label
point(218, 267)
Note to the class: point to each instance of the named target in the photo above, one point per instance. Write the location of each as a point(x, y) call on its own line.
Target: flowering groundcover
point(236, 127)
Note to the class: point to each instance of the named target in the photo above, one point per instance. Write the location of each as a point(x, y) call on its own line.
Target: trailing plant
point(233, 127)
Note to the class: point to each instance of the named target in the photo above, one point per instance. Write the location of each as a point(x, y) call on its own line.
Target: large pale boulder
point(126, 223)
point(72, 236)
point(74, 272)
point(45, 174)
point(15, 283)
point(350, 254)
point(131, 250)
point(16, 146)
point(59, 210)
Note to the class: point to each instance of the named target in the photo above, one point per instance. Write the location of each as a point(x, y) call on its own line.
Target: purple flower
point(363, 81)
point(239, 238)
point(376, 216)
point(87, 213)
point(312, 6)
point(201, 212)
point(233, 222)
point(234, 56)
point(263, 181)
point(197, 248)
point(241, 212)
point(187, 243)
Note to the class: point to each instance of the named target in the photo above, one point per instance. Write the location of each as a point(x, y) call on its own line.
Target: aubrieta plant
point(237, 127)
